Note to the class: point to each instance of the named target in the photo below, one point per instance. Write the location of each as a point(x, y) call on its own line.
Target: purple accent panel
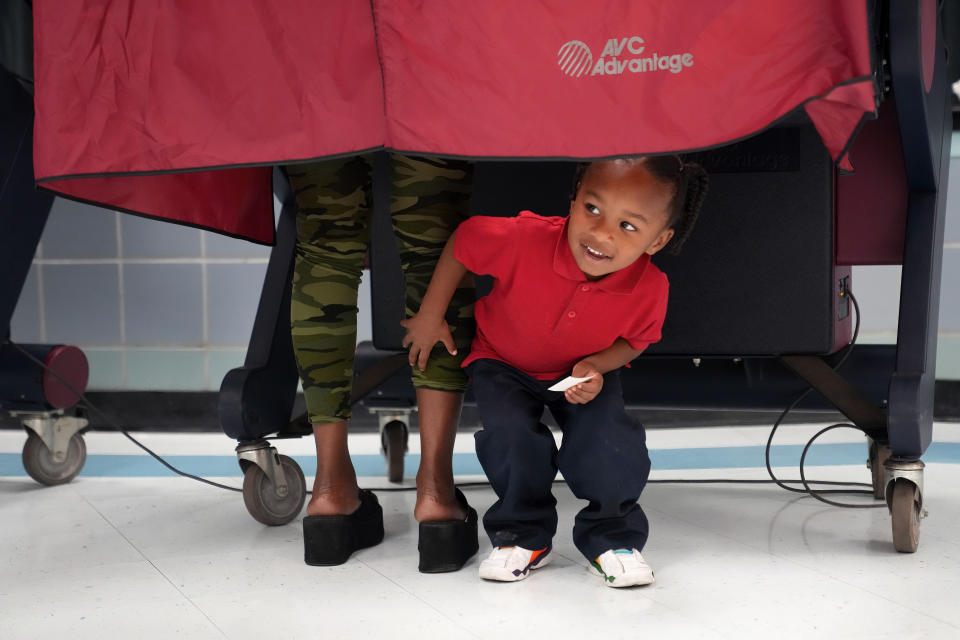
point(872, 201)
point(69, 363)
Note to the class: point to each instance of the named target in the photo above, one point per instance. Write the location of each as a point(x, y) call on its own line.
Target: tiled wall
point(156, 306)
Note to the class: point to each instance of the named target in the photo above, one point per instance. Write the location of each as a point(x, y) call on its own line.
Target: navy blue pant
point(603, 458)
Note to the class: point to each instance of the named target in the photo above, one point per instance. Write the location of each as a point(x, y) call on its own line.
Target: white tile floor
point(167, 557)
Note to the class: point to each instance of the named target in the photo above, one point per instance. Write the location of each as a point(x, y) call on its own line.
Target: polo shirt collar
point(623, 281)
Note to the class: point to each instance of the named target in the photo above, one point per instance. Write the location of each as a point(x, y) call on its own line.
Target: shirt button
point(584, 287)
point(571, 314)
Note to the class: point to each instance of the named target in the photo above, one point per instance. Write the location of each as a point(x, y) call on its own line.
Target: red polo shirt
point(543, 315)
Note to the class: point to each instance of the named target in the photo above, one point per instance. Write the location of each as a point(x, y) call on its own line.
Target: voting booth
point(824, 127)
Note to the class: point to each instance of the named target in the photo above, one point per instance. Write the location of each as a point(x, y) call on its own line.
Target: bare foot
point(335, 489)
point(331, 501)
point(436, 501)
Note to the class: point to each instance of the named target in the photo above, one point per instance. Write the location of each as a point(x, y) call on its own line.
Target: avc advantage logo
point(620, 55)
point(575, 58)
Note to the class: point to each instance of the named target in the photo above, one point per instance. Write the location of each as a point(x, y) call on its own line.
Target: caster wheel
point(905, 515)
point(879, 453)
point(262, 501)
point(39, 462)
point(394, 440)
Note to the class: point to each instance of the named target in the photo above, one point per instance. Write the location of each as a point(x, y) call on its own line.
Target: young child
point(572, 296)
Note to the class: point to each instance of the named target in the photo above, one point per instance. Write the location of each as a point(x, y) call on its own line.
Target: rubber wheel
point(262, 501)
point(394, 439)
point(905, 515)
point(39, 463)
point(878, 455)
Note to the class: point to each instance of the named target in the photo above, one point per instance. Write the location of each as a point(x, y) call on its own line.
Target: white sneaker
point(622, 568)
point(509, 564)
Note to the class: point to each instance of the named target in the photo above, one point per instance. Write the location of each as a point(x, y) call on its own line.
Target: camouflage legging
point(429, 198)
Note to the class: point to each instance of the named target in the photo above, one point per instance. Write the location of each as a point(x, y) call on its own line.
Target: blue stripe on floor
point(140, 466)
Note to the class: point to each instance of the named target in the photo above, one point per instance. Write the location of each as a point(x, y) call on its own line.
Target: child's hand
point(588, 389)
point(422, 333)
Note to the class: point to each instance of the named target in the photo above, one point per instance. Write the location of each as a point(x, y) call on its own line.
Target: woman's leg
point(439, 413)
point(429, 199)
point(333, 232)
point(335, 489)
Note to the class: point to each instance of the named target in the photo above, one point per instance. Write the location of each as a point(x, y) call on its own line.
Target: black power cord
point(807, 489)
point(803, 480)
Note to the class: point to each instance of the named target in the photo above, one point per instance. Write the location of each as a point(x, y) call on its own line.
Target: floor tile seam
point(791, 501)
point(443, 615)
point(766, 624)
point(156, 568)
point(578, 561)
point(925, 614)
point(798, 563)
point(163, 556)
point(264, 592)
point(200, 610)
point(702, 623)
point(584, 565)
point(731, 539)
point(55, 573)
point(188, 599)
point(582, 562)
point(650, 594)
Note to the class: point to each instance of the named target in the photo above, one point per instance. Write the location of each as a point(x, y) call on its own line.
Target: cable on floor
point(84, 401)
point(807, 489)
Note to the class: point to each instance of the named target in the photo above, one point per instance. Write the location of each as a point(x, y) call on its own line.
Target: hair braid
point(693, 186)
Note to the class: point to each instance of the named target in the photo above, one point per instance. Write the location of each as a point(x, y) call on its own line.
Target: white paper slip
point(567, 382)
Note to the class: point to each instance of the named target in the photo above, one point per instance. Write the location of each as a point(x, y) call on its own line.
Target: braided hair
point(689, 182)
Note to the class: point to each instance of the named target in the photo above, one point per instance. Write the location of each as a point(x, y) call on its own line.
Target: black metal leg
point(23, 208)
point(388, 290)
point(257, 399)
point(924, 118)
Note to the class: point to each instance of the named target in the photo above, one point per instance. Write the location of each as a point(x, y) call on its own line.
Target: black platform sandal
point(330, 540)
point(446, 545)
